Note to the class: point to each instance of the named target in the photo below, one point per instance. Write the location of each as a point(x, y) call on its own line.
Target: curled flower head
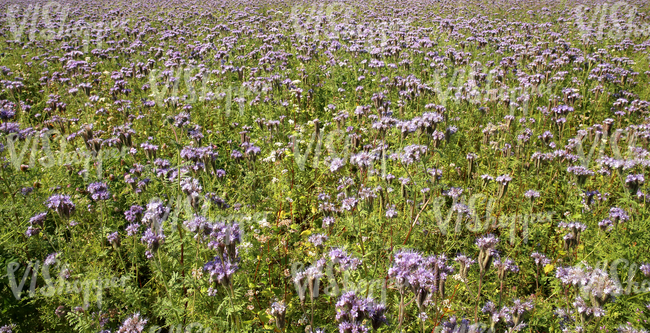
point(61, 204)
point(156, 212)
point(343, 259)
point(540, 259)
point(99, 191)
point(465, 262)
point(617, 215)
point(38, 219)
point(133, 324)
point(531, 194)
point(51, 259)
point(278, 311)
point(504, 266)
point(113, 238)
point(221, 270)
point(318, 239)
point(487, 245)
point(153, 239)
point(503, 179)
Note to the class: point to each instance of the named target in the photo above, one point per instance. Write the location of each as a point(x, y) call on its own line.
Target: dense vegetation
point(250, 166)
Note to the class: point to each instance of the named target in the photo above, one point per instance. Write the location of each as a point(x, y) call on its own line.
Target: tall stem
point(401, 311)
point(311, 297)
point(478, 297)
point(232, 306)
point(500, 293)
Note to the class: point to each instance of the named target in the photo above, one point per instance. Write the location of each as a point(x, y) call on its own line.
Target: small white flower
point(264, 224)
point(457, 277)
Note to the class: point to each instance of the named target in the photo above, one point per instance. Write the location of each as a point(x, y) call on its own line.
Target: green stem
point(478, 296)
point(232, 306)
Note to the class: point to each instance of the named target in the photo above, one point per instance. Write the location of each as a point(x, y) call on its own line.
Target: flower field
point(324, 166)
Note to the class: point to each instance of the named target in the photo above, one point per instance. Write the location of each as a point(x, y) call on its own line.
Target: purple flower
point(7, 328)
point(363, 160)
point(50, 259)
point(352, 310)
point(348, 203)
point(489, 307)
point(606, 225)
point(540, 259)
point(217, 200)
point(309, 276)
point(345, 261)
point(336, 164)
point(113, 238)
point(531, 194)
point(579, 171)
point(31, 231)
point(465, 262)
point(224, 239)
point(423, 276)
point(328, 221)
point(182, 119)
point(25, 190)
point(133, 214)
point(133, 324)
point(637, 178)
point(487, 243)
point(153, 240)
point(504, 266)
point(236, 154)
point(453, 326)
point(486, 177)
point(503, 179)
point(318, 239)
point(412, 154)
point(99, 191)
point(391, 212)
point(572, 238)
point(278, 311)
point(436, 174)
point(132, 229)
point(221, 271)
point(453, 192)
point(347, 327)
point(149, 149)
point(38, 219)
point(156, 212)
point(61, 204)
point(617, 215)
point(562, 109)
point(197, 223)
point(193, 189)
